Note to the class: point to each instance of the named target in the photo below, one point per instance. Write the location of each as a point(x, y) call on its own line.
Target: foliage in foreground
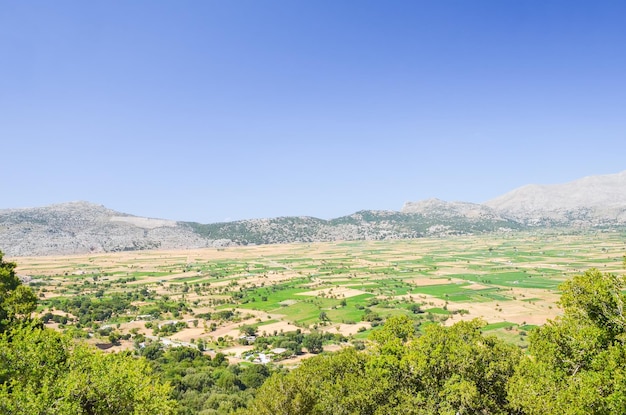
point(46, 372)
point(577, 365)
point(447, 370)
point(17, 301)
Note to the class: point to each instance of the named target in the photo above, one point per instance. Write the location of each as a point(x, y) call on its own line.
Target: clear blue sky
point(221, 110)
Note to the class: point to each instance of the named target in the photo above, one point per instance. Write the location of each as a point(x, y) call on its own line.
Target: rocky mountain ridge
point(83, 227)
point(589, 201)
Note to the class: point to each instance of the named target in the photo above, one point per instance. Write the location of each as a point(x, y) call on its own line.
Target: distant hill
point(83, 227)
point(363, 225)
point(590, 201)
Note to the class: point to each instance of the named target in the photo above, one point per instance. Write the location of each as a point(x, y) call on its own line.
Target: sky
point(212, 111)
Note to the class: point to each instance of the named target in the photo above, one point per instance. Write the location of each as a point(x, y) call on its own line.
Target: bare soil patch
point(347, 329)
point(278, 327)
point(512, 311)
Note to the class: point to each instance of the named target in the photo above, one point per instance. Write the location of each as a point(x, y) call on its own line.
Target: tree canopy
point(17, 301)
point(576, 365)
point(45, 372)
point(447, 370)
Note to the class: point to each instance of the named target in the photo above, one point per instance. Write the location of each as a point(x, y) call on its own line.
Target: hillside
point(362, 225)
point(590, 201)
point(82, 227)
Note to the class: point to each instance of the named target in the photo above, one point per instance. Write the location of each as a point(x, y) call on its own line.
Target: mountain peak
point(587, 192)
point(592, 198)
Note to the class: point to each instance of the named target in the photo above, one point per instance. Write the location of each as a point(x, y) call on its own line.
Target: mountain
point(590, 201)
point(362, 225)
point(82, 227)
point(440, 209)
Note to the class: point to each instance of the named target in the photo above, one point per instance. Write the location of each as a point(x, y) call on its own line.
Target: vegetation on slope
point(362, 225)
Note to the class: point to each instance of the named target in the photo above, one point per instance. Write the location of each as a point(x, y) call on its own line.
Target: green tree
point(415, 308)
point(248, 330)
point(17, 301)
point(448, 370)
point(45, 372)
point(396, 328)
point(313, 342)
point(456, 370)
point(578, 363)
point(332, 384)
point(323, 316)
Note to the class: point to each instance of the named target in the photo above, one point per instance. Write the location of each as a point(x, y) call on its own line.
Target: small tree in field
point(314, 343)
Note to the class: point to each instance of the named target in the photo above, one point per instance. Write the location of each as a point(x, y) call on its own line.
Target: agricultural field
point(279, 302)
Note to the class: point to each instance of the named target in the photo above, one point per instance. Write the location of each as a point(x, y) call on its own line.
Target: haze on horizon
point(213, 111)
